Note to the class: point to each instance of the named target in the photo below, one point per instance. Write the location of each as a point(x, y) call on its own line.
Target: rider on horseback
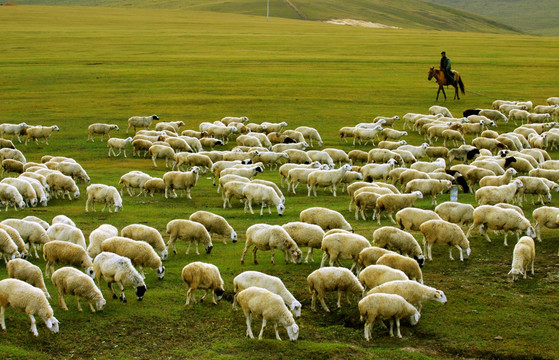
point(446, 68)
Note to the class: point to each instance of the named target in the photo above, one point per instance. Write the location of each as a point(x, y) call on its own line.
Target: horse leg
point(442, 88)
point(438, 91)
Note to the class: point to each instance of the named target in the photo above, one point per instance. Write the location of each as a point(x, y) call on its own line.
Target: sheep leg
point(91, 307)
point(262, 329)
point(339, 304)
point(272, 256)
point(392, 218)
point(450, 253)
point(324, 258)
point(61, 301)
point(506, 235)
point(34, 250)
point(321, 298)
point(254, 255)
point(79, 305)
point(188, 193)
point(122, 296)
point(204, 296)
point(188, 249)
point(367, 329)
point(334, 189)
point(461, 252)
point(276, 330)
point(391, 327)
point(398, 328)
point(262, 209)
point(196, 243)
point(33, 325)
point(309, 254)
point(249, 328)
point(532, 266)
point(314, 189)
point(2, 318)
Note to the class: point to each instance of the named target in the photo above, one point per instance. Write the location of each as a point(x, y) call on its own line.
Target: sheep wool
point(25, 271)
point(332, 279)
point(375, 275)
point(270, 237)
point(524, 255)
point(189, 231)
point(118, 269)
point(342, 245)
point(199, 275)
point(442, 232)
point(68, 280)
point(65, 253)
point(413, 292)
point(139, 252)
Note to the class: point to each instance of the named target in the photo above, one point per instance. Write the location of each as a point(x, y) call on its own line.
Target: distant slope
point(538, 17)
point(412, 14)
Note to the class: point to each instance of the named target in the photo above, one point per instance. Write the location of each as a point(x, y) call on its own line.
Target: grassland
point(73, 66)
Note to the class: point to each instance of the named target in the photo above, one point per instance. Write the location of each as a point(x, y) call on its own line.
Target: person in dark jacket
point(447, 69)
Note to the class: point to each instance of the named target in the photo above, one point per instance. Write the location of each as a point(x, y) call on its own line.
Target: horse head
point(431, 73)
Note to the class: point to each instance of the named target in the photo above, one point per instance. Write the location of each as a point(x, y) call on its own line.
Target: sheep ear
point(438, 294)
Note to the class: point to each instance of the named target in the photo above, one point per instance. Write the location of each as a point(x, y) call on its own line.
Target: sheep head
point(52, 324)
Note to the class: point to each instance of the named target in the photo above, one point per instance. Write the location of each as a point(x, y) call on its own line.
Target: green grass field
point(73, 66)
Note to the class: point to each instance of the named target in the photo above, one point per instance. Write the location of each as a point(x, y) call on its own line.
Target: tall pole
point(267, 10)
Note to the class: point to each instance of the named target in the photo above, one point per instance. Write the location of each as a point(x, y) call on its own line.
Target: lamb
point(148, 234)
point(411, 218)
point(177, 180)
point(409, 266)
point(59, 182)
point(100, 128)
point(436, 110)
point(375, 275)
point(215, 224)
point(342, 245)
point(25, 271)
point(141, 122)
point(31, 232)
point(12, 129)
point(373, 172)
point(140, 253)
point(118, 144)
point(141, 144)
point(431, 187)
point(36, 132)
point(272, 283)
point(332, 279)
point(455, 212)
point(10, 195)
point(74, 170)
point(263, 194)
point(442, 232)
point(413, 292)
point(366, 134)
point(20, 295)
point(7, 246)
point(489, 217)
point(64, 232)
point(271, 307)
point(24, 188)
point(65, 253)
point(398, 240)
point(132, 180)
point(102, 193)
point(68, 280)
point(524, 255)
point(199, 275)
point(545, 216)
point(191, 231)
point(369, 256)
point(310, 134)
point(392, 134)
point(489, 195)
point(271, 237)
point(11, 166)
point(305, 235)
point(97, 236)
point(162, 151)
point(115, 268)
point(394, 202)
point(504, 179)
point(327, 178)
point(325, 218)
point(386, 307)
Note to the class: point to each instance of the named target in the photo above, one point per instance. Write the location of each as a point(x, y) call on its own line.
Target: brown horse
point(441, 80)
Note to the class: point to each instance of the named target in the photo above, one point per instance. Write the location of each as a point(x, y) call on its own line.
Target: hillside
point(410, 14)
point(529, 16)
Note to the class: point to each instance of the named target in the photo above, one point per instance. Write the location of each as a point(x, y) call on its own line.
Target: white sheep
point(524, 255)
point(337, 279)
point(199, 275)
point(326, 178)
point(140, 122)
point(22, 296)
point(325, 218)
point(65, 232)
point(118, 144)
point(270, 237)
point(12, 166)
point(60, 183)
point(431, 187)
point(100, 128)
point(490, 195)
point(428, 167)
point(497, 180)
point(148, 234)
point(177, 180)
point(442, 232)
point(386, 307)
point(174, 125)
point(139, 252)
point(34, 133)
point(456, 212)
point(25, 189)
point(62, 219)
point(215, 224)
point(382, 156)
point(12, 129)
point(411, 218)
point(398, 240)
point(304, 234)
point(58, 252)
point(536, 186)
point(369, 256)
point(118, 269)
point(74, 170)
point(366, 134)
point(97, 236)
point(7, 246)
point(375, 275)
point(545, 216)
point(157, 151)
point(104, 194)
point(9, 195)
point(342, 245)
point(394, 202)
point(133, 180)
point(24, 270)
point(488, 217)
point(31, 232)
point(310, 134)
point(435, 110)
point(189, 231)
point(413, 292)
point(22, 248)
point(409, 266)
point(272, 283)
point(14, 154)
point(68, 280)
point(373, 172)
point(263, 303)
point(264, 195)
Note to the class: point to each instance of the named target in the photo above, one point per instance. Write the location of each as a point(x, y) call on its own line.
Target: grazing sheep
point(377, 171)
point(271, 237)
point(102, 193)
point(154, 185)
point(455, 212)
point(326, 178)
point(325, 218)
point(358, 156)
point(191, 231)
point(100, 128)
point(394, 202)
point(342, 245)
point(4, 143)
point(264, 195)
point(215, 224)
point(248, 172)
point(504, 179)
point(30, 232)
point(332, 279)
point(20, 295)
point(442, 232)
point(161, 151)
point(375, 275)
point(97, 236)
point(490, 195)
point(263, 303)
point(536, 186)
point(148, 234)
point(118, 269)
point(409, 266)
point(304, 234)
point(545, 216)
point(11, 166)
point(369, 256)
point(413, 292)
point(74, 170)
point(524, 255)
point(37, 132)
point(429, 187)
point(25, 189)
point(133, 180)
point(386, 307)
point(7, 246)
point(488, 217)
point(310, 134)
point(118, 144)
point(177, 180)
point(140, 122)
point(411, 218)
point(59, 182)
point(140, 253)
point(400, 241)
point(141, 144)
point(272, 283)
point(17, 239)
point(435, 110)
point(25, 271)
point(199, 275)
point(65, 232)
point(382, 156)
point(68, 280)
point(428, 167)
point(65, 253)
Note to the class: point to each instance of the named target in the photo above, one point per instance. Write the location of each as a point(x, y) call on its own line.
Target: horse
point(441, 80)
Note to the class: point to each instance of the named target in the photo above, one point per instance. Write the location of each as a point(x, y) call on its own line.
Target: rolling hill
point(410, 14)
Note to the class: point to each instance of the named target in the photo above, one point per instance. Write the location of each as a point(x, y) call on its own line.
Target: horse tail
point(461, 84)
